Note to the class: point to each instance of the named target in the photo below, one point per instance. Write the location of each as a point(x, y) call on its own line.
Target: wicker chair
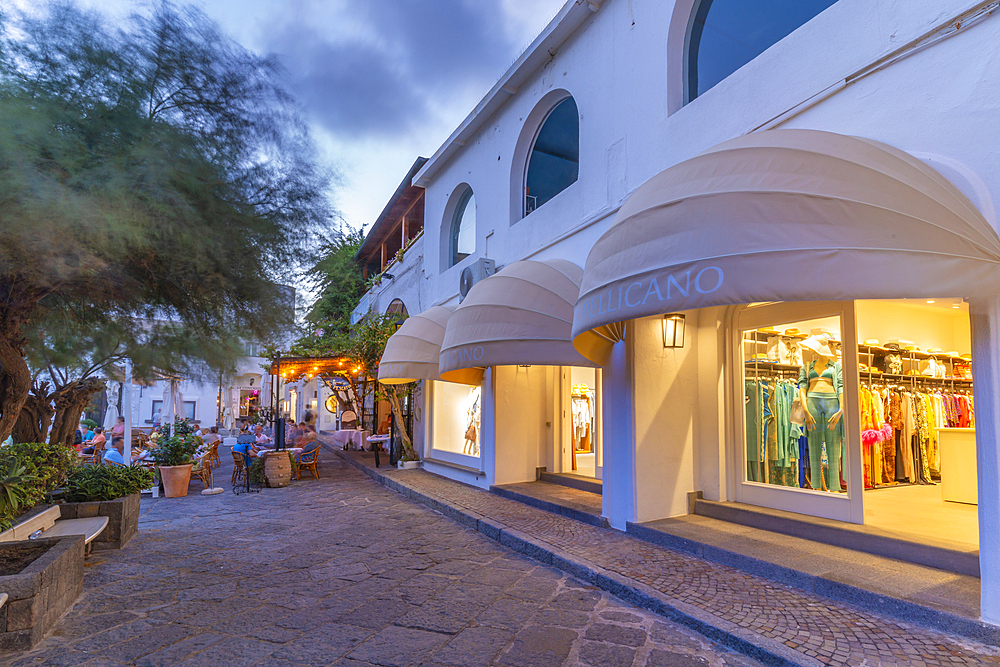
point(97, 458)
point(308, 460)
point(202, 469)
point(213, 454)
point(239, 467)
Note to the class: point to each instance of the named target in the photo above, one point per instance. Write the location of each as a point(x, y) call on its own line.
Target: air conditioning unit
point(472, 274)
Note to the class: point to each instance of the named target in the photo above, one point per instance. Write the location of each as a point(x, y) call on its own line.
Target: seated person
point(212, 436)
point(88, 434)
point(119, 428)
point(262, 438)
point(116, 453)
point(203, 449)
point(309, 443)
point(98, 440)
point(245, 448)
point(383, 428)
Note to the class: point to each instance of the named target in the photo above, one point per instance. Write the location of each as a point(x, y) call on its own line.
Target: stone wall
point(123, 519)
point(41, 593)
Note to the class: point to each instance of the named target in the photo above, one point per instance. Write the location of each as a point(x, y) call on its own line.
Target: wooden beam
point(404, 232)
point(383, 256)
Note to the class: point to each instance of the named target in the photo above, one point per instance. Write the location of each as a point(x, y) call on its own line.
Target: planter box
point(406, 465)
point(41, 593)
point(123, 519)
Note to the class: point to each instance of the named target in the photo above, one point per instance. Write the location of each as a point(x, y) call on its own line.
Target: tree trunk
point(409, 454)
point(70, 400)
point(15, 383)
point(36, 415)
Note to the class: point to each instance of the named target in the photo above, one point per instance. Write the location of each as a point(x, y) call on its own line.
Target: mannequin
point(821, 390)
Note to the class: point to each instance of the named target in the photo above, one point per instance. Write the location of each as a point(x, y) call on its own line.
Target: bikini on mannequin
point(821, 392)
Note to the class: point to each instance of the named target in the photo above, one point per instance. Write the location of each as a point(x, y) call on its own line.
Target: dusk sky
point(382, 81)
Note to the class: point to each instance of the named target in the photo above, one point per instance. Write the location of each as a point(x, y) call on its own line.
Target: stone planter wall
point(41, 593)
point(123, 519)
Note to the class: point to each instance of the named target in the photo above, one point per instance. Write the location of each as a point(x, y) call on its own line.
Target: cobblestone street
point(817, 630)
point(342, 571)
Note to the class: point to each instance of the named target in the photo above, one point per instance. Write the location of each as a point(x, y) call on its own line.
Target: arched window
point(463, 228)
point(727, 34)
point(397, 307)
point(554, 161)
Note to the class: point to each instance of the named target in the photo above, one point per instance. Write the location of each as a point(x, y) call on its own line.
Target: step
point(937, 554)
point(914, 593)
point(588, 484)
point(569, 502)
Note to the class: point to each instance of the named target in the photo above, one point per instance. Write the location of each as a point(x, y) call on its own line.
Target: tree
point(159, 173)
point(364, 344)
point(340, 282)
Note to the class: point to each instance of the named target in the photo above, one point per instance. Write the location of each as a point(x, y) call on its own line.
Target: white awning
point(412, 352)
point(522, 315)
point(785, 215)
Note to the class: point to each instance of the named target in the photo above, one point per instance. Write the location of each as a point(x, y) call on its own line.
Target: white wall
point(666, 419)
point(525, 421)
point(927, 326)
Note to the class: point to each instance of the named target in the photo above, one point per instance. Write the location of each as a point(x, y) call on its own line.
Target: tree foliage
point(156, 173)
point(340, 282)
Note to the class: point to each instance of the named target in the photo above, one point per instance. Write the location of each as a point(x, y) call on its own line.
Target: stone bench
point(51, 525)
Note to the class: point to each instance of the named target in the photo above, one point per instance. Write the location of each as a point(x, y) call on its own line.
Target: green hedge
point(41, 468)
point(107, 482)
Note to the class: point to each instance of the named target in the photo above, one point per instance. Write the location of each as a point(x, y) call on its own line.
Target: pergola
point(292, 369)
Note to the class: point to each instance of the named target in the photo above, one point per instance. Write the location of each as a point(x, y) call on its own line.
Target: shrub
point(99, 483)
point(15, 491)
point(47, 464)
point(91, 424)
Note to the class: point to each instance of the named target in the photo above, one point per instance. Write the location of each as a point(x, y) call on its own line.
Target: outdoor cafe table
point(350, 439)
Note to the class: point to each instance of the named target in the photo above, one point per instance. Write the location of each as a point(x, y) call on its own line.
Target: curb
point(767, 651)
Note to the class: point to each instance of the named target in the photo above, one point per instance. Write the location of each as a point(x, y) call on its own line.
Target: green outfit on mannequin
point(821, 391)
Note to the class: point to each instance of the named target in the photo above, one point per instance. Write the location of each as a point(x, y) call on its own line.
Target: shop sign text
point(706, 281)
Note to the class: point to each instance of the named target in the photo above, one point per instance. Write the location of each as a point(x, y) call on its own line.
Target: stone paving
point(830, 632)
point(343, 572)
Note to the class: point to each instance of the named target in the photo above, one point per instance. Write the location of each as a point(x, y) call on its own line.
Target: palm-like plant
point(13, 490)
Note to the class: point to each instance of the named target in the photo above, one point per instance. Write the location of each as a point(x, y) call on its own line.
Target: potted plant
point(172, 453)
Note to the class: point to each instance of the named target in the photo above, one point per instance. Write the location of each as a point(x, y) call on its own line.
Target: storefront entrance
point(879, 432)
point(583, 387)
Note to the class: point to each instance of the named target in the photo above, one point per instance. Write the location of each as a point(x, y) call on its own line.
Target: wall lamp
point(388, 276)
point(673, 330)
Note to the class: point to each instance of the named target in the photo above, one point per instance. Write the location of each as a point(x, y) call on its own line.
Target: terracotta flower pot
point(277, 469)
point(176, 480)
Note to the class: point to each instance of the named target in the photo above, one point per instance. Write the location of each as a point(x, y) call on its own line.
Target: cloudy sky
point(382, 81)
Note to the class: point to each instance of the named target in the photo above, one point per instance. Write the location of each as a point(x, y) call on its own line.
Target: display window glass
point(794, 405)
point(457, 418)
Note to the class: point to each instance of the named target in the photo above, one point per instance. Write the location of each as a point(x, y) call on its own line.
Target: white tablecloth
point(350, 439)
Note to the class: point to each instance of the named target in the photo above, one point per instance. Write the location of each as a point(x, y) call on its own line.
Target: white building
point(873, 221)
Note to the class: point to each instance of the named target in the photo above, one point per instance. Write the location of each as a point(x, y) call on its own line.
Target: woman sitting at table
point(309, 443)
point(98, 441)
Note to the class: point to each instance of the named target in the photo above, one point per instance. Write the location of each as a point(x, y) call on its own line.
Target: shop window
point(794, 422)
point(727, 34)
point(188, 410)
point(554, 160)
point(457, 420)
point(463, 228)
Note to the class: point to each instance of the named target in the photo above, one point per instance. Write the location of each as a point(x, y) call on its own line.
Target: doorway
point(582, 386)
